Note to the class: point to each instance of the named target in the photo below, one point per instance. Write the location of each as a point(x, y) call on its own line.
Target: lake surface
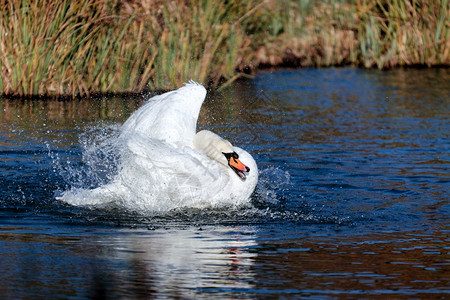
point(352, 201)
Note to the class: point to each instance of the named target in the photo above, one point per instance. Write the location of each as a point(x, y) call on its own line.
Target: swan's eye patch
point(231, 155)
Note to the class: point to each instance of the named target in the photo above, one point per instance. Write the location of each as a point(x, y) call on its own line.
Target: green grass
point(82, 47)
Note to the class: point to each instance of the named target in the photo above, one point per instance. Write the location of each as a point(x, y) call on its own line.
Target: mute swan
point(165, 164)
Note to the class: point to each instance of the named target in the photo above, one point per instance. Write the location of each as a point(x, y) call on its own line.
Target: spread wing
point(170, 117)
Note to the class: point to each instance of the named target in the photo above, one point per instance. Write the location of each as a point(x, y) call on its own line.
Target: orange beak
point(237, 164)
point(238, 167)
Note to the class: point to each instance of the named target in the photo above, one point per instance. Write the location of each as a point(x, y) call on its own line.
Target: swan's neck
point(213, 146)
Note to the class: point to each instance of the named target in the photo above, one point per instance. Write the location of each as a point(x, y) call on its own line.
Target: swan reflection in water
point(181, 262)
point(164, 164)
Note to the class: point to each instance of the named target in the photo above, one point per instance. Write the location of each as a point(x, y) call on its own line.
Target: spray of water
point(99, 161)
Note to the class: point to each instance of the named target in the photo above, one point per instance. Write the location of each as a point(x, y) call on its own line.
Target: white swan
point(165, 164)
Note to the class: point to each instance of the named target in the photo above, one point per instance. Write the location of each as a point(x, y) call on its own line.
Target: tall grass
point(399, 33)
point(380, 33)
point(57, 47)
point(94, 46)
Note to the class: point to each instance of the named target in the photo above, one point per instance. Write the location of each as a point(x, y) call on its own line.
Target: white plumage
point(166, 165)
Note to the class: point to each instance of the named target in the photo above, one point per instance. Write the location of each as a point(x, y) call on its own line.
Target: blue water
point(352, 199)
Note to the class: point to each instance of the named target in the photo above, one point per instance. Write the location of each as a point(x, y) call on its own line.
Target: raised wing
point(170, 117)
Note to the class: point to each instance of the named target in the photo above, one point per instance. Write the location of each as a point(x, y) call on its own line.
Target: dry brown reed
point(82, 47)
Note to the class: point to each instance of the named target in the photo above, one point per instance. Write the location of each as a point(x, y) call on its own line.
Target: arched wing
point(170, 117)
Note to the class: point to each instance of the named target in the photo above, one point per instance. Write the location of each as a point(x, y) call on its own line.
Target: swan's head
point(235, 164)
point(220, 150)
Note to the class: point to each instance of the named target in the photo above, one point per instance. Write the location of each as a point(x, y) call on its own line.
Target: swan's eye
point(231, 155)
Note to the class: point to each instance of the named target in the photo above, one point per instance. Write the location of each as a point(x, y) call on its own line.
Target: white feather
point(166, 165)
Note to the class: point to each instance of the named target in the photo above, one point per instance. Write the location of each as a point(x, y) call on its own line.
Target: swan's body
point(166, 165)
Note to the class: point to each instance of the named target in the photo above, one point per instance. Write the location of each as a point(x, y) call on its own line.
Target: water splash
point(143, 174)
point(92, 162)
point(273, 182)
point(96, 161)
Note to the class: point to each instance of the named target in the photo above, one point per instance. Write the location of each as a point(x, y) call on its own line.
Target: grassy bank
point(93, 46)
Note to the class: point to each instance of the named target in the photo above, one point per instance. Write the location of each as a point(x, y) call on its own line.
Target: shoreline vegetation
point(84, 47)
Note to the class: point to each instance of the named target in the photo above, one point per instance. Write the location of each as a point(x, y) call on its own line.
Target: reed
point(81, 47)
point(405, 33)
point(381, 34)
